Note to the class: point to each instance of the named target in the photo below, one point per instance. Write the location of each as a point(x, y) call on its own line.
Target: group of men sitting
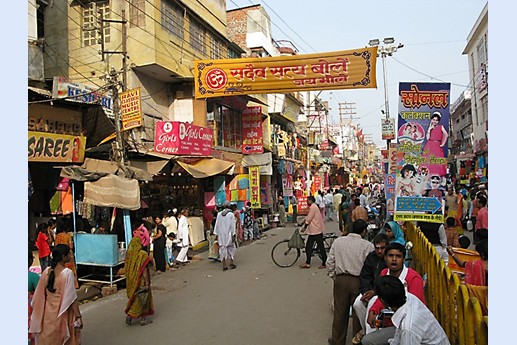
point(387, 297)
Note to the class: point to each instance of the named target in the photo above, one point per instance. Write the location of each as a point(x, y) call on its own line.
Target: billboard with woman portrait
point(422, 136)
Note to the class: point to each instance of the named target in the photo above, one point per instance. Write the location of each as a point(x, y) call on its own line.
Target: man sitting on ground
point(394, 257)
point(414, 323)
point(372, 267)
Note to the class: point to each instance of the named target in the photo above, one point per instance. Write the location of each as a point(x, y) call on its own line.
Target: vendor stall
point(106, 185)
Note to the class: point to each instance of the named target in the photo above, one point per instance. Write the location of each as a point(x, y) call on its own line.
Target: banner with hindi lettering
point(254, 172)
point(423, 131)
point(348, 69)
point(252, 130)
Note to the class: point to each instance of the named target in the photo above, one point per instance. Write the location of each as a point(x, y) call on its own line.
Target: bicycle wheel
point(283, 256)
point(328, 240)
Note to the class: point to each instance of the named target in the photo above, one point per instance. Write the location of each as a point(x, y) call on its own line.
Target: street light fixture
point(385, 50)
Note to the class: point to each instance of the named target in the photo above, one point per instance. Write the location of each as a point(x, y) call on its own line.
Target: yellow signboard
point(131, 109)
point(50, 147)
point(348, 69)
point(254, 186)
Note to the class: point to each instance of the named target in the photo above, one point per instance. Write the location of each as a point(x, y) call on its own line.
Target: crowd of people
point(371, 279)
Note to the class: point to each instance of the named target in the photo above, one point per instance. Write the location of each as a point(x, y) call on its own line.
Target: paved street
point(257, 303)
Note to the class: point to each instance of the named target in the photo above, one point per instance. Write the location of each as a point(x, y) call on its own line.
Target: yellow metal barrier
point(458, 312)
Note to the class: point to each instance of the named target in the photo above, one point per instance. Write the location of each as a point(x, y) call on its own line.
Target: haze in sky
point(434, 34)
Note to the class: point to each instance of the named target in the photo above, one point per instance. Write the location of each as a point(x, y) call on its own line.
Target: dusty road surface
point(256, 303)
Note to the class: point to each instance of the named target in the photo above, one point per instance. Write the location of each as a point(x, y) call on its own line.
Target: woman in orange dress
point(56, 317)
point(63, 237)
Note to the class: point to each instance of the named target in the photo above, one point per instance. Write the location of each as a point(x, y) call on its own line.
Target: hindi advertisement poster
point(254, 172)
point(252, 139)
point(303, 206)
point(388, 129)
point(287, 185)
point(423, 132)
point(348, 69)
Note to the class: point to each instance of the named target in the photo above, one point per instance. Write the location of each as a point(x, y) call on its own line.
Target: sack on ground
point(296, 240)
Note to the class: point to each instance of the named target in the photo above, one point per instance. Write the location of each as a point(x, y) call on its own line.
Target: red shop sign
point(181, 138)
point(252, 141)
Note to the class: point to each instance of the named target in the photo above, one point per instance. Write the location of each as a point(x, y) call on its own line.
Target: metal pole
point(386, 101)
point(124, 51)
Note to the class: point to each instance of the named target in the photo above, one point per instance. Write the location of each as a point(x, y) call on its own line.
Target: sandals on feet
point(233, 266)
point(128, 320)
point(358, 337)
point(144, 322)
point(305, 266)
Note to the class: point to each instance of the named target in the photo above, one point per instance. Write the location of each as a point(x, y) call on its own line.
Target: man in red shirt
point(481, 229)
point(413, 282)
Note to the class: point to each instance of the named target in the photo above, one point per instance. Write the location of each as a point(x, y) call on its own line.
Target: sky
point(434, 34)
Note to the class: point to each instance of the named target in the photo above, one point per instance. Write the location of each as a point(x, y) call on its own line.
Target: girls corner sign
point(181, 138)
point(423, 130)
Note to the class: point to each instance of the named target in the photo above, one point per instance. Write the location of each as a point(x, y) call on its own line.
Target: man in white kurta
point(225, 234)
point(183, 236)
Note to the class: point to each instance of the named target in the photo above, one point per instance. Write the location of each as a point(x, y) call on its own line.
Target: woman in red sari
point(138, 283)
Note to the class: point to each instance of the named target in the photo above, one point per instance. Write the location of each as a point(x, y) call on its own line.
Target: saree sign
point(49, 147)
point(254, 186)
point(252, 130)
point(423, 130)
point(349, 69)
point(180, 138)
point(131, 109)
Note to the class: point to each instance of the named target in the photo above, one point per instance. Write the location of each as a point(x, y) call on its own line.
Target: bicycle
point(284, 257)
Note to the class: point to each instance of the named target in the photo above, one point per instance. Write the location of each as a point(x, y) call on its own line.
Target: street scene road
point(257, 303)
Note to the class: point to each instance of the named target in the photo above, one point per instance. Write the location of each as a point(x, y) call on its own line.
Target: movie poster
point(422, 136)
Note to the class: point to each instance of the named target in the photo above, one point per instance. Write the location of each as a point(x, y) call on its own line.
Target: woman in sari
point(56, 318)
point(33, 283)
point(138, 284)
point(343, 208)
point(63, 237)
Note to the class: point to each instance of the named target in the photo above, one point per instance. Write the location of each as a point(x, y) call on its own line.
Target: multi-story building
point(477, 52)
point(461, 137)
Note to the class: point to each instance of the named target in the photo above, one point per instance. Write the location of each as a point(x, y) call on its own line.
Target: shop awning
point(152, 167)
point(93, 169)
point(264, 161)
point(113, 191)
point(208, 167)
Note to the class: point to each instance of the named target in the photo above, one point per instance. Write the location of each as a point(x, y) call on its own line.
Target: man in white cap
point(224, 231)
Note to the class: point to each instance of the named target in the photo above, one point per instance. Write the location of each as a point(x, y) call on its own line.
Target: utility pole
point(118, 145)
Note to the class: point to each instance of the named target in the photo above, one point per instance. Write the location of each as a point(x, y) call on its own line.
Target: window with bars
point(481, 51)
point(232, 54)
point(226, 124)
point(197, 36)
point(216, 48)
point(484, 106)
point(91, 25)
point(172, 18)
point(137, 13)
